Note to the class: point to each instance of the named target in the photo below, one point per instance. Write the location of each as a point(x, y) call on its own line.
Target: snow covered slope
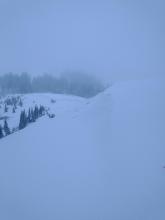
point(100, 158)
point(58, 104)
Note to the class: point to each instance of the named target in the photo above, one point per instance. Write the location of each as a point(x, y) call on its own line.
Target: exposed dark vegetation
point(71, 83)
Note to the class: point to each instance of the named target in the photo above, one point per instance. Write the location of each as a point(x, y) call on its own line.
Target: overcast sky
point(111, 38)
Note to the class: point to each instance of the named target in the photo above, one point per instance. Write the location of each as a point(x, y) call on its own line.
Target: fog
point(112, 39)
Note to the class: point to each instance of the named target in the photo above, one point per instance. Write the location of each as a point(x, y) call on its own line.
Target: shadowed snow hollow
point(99, 158)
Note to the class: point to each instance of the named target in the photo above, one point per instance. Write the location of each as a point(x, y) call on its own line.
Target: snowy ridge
point(100, 158)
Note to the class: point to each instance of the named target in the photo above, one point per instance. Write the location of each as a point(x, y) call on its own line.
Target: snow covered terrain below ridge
point(99, 158)
point(58, 104)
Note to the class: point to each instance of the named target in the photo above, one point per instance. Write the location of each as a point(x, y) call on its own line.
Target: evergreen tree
point(36, 112)
point(6, 108)
point(13, 109)
point(32, 116)
point(29, 117)
point(41, 110)
point(20, 103)
point(1, 132)
point(23, 120)
point(6, 128)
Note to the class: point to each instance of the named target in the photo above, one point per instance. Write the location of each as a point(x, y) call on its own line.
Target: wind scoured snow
point(99, 158)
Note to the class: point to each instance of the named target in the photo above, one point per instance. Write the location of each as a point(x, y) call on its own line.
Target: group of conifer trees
point(11, 101)
point(31, 116)
point(25, 118)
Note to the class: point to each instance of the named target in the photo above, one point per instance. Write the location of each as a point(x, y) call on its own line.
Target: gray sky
point(115, 39)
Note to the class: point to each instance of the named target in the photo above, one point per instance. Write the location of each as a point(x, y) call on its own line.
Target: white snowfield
point(98, 159)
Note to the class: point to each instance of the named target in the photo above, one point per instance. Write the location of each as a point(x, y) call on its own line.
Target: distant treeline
point(70, 83)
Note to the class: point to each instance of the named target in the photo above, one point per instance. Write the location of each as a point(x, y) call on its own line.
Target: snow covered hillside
point(54, 104)
point(99, 158)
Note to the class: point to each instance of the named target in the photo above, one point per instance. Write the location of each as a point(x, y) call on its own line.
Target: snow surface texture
point(100, 158)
